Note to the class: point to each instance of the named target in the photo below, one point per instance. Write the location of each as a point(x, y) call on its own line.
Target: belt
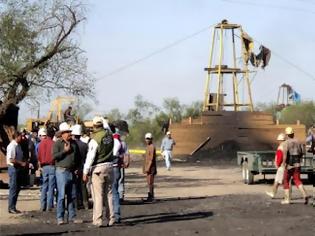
point(63, 168)
point(103, 164)
point(42, 165)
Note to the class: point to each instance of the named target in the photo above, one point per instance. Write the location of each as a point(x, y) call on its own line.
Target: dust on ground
point(194, 198)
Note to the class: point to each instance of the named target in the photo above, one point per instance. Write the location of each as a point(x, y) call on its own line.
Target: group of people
point(288, 162)
point(72, 165)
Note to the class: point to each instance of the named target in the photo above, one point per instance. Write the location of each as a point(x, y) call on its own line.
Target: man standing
point(292, 153)
point(280, 168)
point(99, 164)
point(24, 172)
point(117, 164)
point(47, 165)
point(149, 167)
point(15, 165)
point(67, 158)
point(125, 164)
point(166, 149)
point(82, 195)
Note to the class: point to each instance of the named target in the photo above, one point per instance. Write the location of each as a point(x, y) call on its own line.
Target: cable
point(128, 65)
point(269, 6)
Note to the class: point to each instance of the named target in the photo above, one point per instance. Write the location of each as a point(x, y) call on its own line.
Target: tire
point(310, 178)
point(250, 178)
point(247, 175)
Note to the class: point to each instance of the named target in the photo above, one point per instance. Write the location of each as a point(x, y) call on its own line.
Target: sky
point(117, 34)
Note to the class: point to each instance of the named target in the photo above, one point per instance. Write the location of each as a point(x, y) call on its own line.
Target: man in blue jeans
point(15, 166)
point(117, 164)
point(67, 160)
point(47, 166)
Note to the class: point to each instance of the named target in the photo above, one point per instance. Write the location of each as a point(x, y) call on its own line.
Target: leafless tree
point(39, 50)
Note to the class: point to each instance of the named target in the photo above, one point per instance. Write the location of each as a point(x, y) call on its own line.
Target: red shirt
point(279, 157)
point(45, 156)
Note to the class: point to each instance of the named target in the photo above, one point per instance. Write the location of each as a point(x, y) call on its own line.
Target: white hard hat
point(148, 136)
point(42, 132)
point(168, 133)
point(76, 130)
point(64, 127)
point(98, 120)
point(281, 137)
point(289, 130)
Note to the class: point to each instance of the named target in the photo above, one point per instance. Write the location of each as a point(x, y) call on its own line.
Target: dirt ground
point(192, 199)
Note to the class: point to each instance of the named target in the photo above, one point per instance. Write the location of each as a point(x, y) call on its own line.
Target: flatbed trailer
point(262, 162)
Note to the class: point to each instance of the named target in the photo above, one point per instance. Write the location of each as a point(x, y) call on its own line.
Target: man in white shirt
point(166, 149)
point(98, 164)
point(15, 165)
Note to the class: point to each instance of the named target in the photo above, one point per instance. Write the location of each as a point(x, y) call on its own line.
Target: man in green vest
point(98, 165)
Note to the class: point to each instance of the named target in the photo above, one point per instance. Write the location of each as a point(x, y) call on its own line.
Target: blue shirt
point(167, 144)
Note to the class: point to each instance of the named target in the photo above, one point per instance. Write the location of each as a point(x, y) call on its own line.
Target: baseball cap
point(148, 136)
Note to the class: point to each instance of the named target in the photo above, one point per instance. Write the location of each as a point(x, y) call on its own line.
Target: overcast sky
point(118, 33)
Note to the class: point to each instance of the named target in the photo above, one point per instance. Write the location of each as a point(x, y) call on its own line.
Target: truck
point(263, 162)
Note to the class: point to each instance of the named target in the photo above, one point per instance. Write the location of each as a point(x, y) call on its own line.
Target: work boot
point(305, 197)
point(152, 192)
point(273, 192)
point(149, 198)
point(286, 199)
point(270, 194)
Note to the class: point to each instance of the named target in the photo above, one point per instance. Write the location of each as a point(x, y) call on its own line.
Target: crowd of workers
point(74, 165)
point(288, 162)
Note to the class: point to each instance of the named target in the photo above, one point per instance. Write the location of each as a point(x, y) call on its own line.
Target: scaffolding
point(214, 96)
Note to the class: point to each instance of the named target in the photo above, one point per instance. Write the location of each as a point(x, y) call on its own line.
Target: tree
point(39, 51)
point(114, 114)
point(193, 110)
point(142, 110)
point(173, 109)
point(304, 112)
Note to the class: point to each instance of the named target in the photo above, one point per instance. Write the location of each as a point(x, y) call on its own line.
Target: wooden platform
point(250, 130)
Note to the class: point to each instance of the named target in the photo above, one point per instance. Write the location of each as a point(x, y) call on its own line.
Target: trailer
point(262, 162)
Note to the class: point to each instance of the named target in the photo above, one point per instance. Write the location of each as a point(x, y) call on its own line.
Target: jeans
point(121, 184)
point(81, 192)
point(65, 186)
point(48, 187)
point(15, 186)
point(168, 157)
point(116, 203)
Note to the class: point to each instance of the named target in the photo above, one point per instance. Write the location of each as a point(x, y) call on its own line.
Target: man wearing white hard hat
point(280, 168)
point(149, 167)
point(82, 194)
point(47, 166)
point(67, 161)
point(292, 155)
point(166, 149)
point(98, 165)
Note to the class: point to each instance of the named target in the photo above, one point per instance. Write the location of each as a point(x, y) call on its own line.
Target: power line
point(269, 6)
point(158, 51)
